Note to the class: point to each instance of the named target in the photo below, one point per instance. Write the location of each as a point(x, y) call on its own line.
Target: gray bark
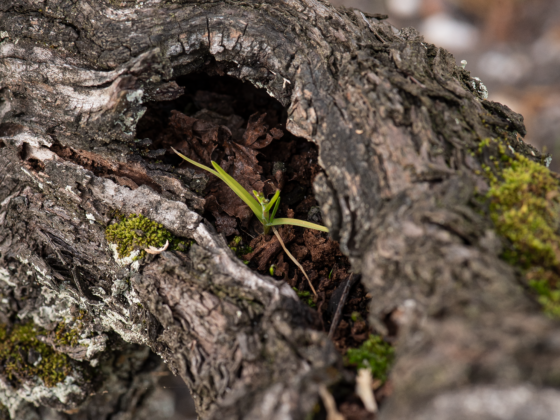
point(394, 119)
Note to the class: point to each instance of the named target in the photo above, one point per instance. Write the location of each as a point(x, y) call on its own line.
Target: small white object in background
point(445, 31)
point(403, 8)
point(330, 404)
point(463, 63)
point(364, 389)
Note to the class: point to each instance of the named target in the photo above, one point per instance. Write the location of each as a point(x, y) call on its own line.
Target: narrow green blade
point(297, 222)
point(200, 165)
point(273, 215)
point(272, 200)
point(258, 196)
point(232, 183)
point(240, 191)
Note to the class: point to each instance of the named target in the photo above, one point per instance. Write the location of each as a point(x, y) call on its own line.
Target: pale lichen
point(6, 278)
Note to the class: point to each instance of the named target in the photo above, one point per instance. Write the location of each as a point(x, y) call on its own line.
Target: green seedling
point(261, 206)
point(264, 209)
point(356, 316)
point(305, 296)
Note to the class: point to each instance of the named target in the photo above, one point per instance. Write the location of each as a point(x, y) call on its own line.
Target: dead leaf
point(330, 404)
point(264, 249)
point(255, 129)
point(364, 390)
point(153, 250)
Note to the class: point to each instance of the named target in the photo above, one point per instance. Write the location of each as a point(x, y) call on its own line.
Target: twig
point(364, 389)
point(416, 81)
point(330, 404)
point(293, 259)
point(349, 283)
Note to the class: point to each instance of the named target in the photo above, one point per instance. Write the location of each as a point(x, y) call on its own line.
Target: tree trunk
point(395, 121)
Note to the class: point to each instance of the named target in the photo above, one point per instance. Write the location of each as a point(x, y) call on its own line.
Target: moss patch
point(23, 356)
point(306, 297)
point(374, 354)
point(525, 208)
point(65, 336)
point(137, 232)
point(239, 248)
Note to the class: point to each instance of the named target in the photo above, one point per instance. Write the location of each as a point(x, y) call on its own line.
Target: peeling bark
point(394, 119)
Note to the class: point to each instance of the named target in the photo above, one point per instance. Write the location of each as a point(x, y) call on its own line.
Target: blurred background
point(513, 46)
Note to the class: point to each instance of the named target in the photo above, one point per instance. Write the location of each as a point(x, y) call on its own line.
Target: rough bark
point(394, 119)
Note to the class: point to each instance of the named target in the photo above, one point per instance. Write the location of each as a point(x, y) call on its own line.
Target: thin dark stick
point(351, 281)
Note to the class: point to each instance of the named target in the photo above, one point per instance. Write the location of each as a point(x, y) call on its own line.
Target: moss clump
point(239, 248)
point(305, 297)
point(23, 356)
point(525, 208)
point(374, 354)
point(137, 232)
point(65, 336)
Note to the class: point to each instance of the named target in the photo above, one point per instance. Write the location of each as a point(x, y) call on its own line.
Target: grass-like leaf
point(240, 191)
point(200, 165)
point(297, 222)
point(273, 215)
point(272, 201)
point(261, 211)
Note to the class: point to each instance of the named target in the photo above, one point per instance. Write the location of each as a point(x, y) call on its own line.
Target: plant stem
point(293, 259)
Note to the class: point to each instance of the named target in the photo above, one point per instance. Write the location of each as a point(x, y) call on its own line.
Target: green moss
point(65, 336)
point(305, 297)
point(374, 354)
point(549, 296)
point(239, 248)
point(23, 356)
point(137, 232)
point(356, 316)
point(525, 207)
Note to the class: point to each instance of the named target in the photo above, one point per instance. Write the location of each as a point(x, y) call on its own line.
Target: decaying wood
point(394, 119)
